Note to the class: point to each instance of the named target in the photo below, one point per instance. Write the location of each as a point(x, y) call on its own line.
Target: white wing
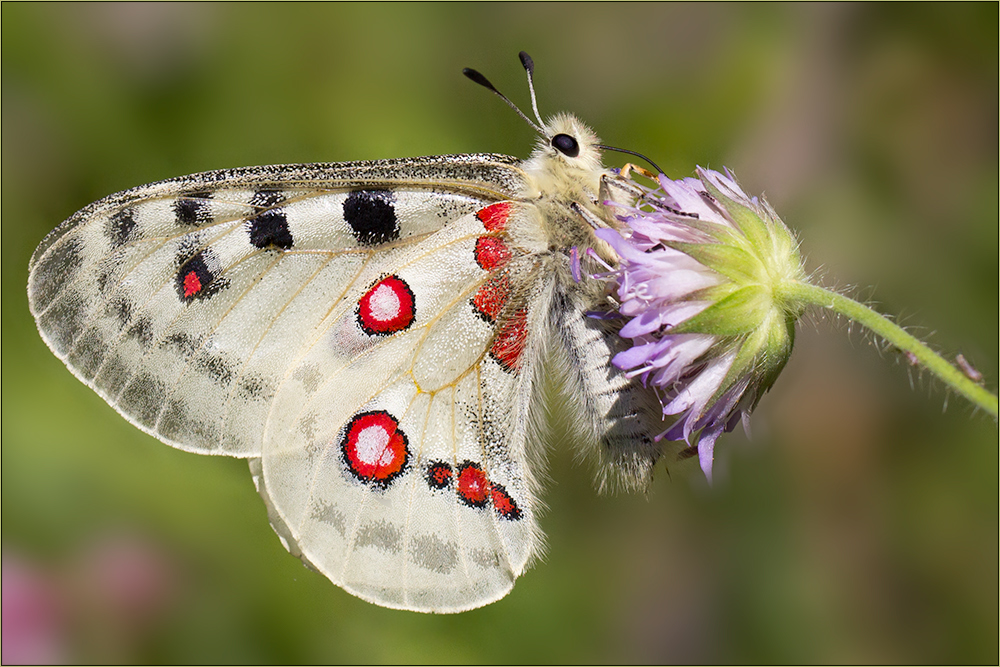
point(397, 463)
point(182, 302)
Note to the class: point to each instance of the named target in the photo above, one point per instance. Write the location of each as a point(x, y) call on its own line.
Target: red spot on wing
point(503, 503)
point(387, 307)
point(439, 475)
point(491, 252)
point(374, 448)
point(491, 297)
point(192, 284)
point(196, 278)
point(509, 343)
point(473, 486)
point(494, 217)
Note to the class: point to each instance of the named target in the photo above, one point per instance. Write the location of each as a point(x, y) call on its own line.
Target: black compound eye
point(566, 145)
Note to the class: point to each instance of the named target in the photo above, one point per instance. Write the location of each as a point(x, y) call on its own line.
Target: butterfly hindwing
point(395, 458)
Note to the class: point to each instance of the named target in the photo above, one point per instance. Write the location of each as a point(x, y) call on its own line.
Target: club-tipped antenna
point(625, 150)
point(485, 83)
point(529, 67)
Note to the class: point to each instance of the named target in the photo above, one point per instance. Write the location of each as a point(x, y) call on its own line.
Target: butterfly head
point(570, 143)
point(566, 158)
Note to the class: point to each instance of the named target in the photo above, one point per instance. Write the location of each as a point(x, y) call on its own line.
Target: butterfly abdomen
point(613, 417)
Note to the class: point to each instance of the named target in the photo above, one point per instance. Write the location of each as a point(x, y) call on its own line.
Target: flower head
point(700, 281)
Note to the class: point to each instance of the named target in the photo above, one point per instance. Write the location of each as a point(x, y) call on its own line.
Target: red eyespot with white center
point(510, 340)
point(386, 308)
point(374, 448)
point(494, 217)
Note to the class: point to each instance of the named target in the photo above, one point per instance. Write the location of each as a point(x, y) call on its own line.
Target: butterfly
point(373, 337)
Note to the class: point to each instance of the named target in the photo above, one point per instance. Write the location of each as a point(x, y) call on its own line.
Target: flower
point(701, 280)
point(35, 631)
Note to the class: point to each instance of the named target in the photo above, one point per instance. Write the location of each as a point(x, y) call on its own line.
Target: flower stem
point(953, 377)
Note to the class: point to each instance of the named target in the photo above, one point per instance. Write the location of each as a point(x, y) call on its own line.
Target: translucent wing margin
point(182, 302)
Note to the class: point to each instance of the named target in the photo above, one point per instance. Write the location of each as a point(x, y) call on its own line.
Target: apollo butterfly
point(371, 337)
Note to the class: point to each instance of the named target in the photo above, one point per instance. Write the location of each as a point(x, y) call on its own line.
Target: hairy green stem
point(953, 377)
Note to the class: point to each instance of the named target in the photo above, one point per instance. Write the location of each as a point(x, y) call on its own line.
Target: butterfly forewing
point(182, 302)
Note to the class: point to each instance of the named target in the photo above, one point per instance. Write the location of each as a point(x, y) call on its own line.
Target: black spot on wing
point(119, 227)
point(198, 277)
point(185, 344)
point(216, 367)
point(270, 228)
point(193, 209)
point(371, 215)
point(256, 387)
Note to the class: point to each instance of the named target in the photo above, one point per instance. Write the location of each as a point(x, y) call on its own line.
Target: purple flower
point(35, 631)
point(700, 279)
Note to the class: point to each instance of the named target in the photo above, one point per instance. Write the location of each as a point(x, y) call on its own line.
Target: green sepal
point(735, 263)
point(762, 354)
point(713, 293)
point(740, 312)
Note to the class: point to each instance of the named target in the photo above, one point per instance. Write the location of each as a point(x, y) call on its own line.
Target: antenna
point(485, 83)
point(624, 150)
point(529, 67)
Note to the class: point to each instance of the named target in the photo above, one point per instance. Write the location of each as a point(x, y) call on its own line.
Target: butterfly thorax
point(556, 181)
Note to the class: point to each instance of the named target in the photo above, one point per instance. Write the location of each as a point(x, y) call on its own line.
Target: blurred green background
point(859, 525)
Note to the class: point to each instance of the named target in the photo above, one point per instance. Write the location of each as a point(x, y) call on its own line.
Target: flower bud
point(701, 280)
